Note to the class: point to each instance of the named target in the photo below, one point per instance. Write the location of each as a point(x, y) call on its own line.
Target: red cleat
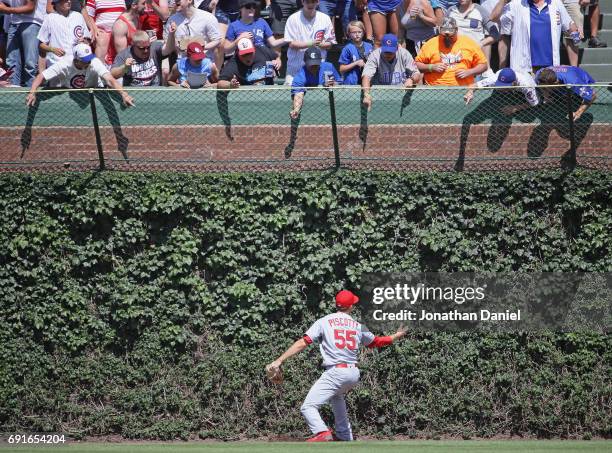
point(323, 436)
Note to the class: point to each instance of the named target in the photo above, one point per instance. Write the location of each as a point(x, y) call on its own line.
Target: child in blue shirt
point(355, 54)
point(203, 70)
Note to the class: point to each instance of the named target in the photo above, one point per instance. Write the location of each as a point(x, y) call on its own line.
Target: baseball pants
point(331, 388)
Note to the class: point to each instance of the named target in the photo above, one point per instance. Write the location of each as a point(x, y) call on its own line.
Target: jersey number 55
point(345, 339)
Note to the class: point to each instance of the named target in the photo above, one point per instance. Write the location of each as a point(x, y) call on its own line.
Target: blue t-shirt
point(540, 34)
point(184, 66)
point(571, 75)
point(350, 54)
point(260, 29)
point(305, 79)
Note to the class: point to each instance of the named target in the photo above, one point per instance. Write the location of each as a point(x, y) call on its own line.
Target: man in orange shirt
point(449, 58)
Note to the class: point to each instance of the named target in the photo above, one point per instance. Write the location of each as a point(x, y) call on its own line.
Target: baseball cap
point(389, 43)
point(245, 45)
point(82, 52)
point(449, 25)
point(505, 78)
point(312, 56)
point(345, 299)
point(248, 2)
point(196, 51)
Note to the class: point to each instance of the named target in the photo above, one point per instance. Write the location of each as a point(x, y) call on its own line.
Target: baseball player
point(339, 337)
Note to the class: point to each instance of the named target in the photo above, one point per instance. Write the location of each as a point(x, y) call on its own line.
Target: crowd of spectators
point(226, 44)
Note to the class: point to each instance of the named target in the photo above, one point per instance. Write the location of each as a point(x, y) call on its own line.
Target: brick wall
point(263, 147)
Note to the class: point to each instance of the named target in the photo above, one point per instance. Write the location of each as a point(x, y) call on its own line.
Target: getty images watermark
point(507, 302)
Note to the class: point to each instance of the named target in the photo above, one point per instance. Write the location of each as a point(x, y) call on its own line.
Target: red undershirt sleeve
point(307, 339)
point(380, 342)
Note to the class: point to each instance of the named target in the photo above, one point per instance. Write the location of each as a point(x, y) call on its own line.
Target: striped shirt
point(105, 12)
point(62, 32)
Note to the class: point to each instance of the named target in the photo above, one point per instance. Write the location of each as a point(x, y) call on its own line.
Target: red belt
point(346, 365)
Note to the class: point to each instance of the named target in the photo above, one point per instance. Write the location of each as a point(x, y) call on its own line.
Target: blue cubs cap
point(505, 78)
point(389, 43)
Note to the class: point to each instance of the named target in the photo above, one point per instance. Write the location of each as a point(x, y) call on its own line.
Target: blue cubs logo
point(78, 81)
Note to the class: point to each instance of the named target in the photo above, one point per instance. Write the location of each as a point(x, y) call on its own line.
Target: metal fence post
point(571, 160)
point(96, 125)
point(332, 111)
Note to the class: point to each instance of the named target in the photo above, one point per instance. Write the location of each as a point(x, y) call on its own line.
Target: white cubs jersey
point(64, 74)
point(339, 337)
point(299, 28)
point(62, 32)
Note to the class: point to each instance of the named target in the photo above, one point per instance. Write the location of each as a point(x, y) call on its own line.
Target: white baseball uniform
point(339, 337)
point(299, 28)
point(62, 32)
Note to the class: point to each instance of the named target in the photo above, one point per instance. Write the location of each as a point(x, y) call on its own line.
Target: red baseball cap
point(245, 46)
point(196, 51)
point(345, 299)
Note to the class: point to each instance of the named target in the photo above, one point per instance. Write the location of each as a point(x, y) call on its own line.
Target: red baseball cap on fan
point(345, 299)
point(196, 51)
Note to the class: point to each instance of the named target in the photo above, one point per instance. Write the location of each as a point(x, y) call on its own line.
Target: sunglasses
point(249, 6)
point(143, 48)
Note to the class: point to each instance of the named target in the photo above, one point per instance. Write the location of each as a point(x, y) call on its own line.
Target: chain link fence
point(250, 129)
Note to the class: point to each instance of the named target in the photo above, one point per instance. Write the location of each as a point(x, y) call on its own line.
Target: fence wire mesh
point(250, 129)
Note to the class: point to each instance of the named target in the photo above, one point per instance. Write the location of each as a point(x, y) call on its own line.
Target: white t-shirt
point(62, 32)
point(37, 16)
point(63, 74)
point(202, 23)
point(488, 5)
point(525, 81)
point(299, 28)
point(475, 23)
point(339, 337)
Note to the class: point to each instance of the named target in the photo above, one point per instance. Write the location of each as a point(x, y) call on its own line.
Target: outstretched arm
point(294, 349)
point(380, 342)
point(583, 107)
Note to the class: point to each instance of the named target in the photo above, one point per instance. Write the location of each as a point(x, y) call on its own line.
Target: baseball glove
point(274, 373)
